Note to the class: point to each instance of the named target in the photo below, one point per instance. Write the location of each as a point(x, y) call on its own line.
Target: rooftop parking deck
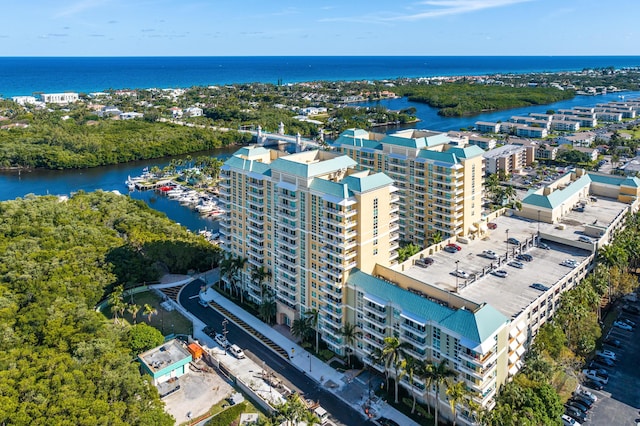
point(513, 293)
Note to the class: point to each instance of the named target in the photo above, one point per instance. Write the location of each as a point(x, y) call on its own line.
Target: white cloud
point(433, 9)
point(79, 6)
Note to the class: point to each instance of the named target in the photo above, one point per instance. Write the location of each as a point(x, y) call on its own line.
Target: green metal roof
point(442, 157)
point(559, 196)
point(361, 139)
point(251, 151)
point(476, 326)
point(606, 179)
point(468, 151)
point(248, 165)
point(631, 181)
point(290, 166)
point(331, 188)
point(367, 183)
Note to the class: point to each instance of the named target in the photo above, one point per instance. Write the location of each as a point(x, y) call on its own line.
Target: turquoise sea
point(26, 75)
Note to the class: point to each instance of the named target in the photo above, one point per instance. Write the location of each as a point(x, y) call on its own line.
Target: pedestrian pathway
point(353, 392)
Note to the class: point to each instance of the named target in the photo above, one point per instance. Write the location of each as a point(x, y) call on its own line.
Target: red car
point(492, 225)
point(455, 246)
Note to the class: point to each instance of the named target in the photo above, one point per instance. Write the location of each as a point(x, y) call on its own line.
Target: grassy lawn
point(168, 322)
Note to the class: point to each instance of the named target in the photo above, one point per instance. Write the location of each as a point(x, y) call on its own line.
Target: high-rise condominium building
point(308, 219)
point(440, 179)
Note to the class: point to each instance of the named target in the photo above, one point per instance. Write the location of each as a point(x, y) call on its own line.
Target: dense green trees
point(461, 98)
point(50, 143)
point(61, 362)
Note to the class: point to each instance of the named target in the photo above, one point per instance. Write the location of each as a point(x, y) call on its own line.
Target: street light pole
point(309, 355)
point(457, 262)
point(507, 231)
point(224, 333)
point(538, 227)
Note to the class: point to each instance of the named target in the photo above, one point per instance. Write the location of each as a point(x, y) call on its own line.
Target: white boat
point(206, 207)
point(130, 183)
point(216, 213)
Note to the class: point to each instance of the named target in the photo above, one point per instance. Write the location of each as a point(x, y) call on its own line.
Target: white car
point(490, 254)
point(568, 421)
point(221, 340)
point(569, 263)
point(516, 264)
point(501, 273)
point(460, 274)
point(596, 376)
point(623, 325)
point(587, 394)
point(607, 354)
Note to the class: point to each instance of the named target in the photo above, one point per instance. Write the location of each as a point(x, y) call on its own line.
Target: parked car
point(568, 421)
point(525, 257)
point(594, 375)
point(586, 394)
point(607, 362)
point(500, 273)
point(622, 325)
point(628, 321)
point(450, 249)
point(569, 263)
point(593, 384)
point(383, 421)
point(460, 273)
point(613, 342)
point(577, 405)
point(631, 309)
point(544, 246)
point(583, 400)
point(585, 239)
point(455, 246)
point(575, 414)
point(516, 264)
point(236, 351)
point(221, 340)
point(605, 353)
point(492, 225)
point(539, 286)
point(512, 240)
point(490, 254)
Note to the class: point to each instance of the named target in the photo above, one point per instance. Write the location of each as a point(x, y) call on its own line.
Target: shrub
point(228, 416)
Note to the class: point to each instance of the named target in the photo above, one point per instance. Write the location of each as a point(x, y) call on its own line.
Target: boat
point(216, 213)
point(130, 184)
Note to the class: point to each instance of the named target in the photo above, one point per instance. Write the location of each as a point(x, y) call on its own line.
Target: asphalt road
point(341, 413)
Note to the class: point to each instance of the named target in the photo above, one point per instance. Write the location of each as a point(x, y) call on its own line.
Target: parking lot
point(509, 294)
point(618, 403)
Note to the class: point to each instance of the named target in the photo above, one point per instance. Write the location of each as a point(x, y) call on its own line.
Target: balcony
point(346, 213)
point(287, 196)
point(256, 245)
point(291, 207)
point(287, 263)
point(420, 342)
point(256, 221)
point(394, 236)
point(224, 184)
point(256, 185)
point(255, 229)
point(369, 329)
point(332, 290)
point(286, 245)
point(394, 218)
point(332, 272)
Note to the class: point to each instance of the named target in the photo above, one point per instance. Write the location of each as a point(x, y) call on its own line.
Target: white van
point(236, 351)
point(322, 414)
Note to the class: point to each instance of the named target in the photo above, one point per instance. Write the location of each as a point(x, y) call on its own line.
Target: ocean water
point(27, 75)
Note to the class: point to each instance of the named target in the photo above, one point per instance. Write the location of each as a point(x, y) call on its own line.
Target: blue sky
point(318, 27)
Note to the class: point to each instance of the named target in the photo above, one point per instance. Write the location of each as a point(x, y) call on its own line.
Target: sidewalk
point(352, 392)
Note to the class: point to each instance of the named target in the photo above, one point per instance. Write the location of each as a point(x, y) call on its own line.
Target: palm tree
point(300, 329)
point(149, 310)
point(441, 373)
point(312, 317)
point(408, 367)
point(268, 310)
point(427, 374)
point(478, 412)
point(259, 276)
point(393, 352)
point(117, 302)
point(133, 309)
point(456, 392)
point(292, 411)
point(349, 332)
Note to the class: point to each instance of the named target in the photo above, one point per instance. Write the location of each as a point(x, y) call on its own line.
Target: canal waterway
point(429, 118)
point(107, 178)
point(15, 184)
